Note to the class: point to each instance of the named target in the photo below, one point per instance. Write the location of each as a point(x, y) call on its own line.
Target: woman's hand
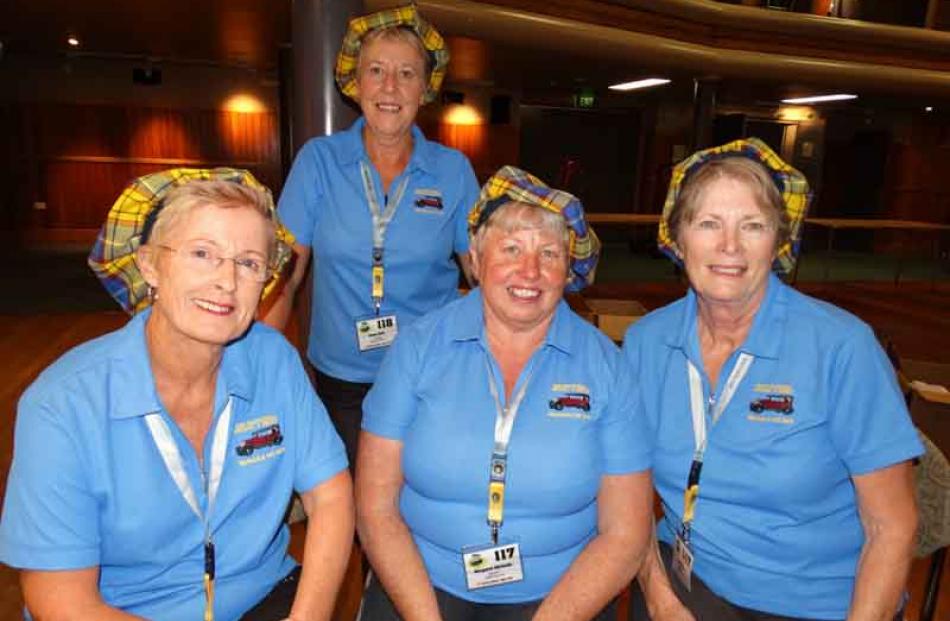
point(672, 611)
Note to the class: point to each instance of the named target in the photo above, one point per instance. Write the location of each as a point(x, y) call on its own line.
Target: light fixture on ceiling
point(645, 83)
point(72, 40)
point(929, 109)
point(819, 98)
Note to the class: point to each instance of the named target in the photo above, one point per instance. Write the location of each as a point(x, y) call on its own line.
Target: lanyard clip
point(685, 530)
point(494, 533)
point(377, 255)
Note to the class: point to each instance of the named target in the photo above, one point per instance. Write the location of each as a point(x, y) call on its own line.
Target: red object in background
point(822, 7)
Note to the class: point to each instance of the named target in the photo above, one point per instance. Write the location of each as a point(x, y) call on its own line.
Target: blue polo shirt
point(324, 204)
point(88, 486)
point(432, 395)
point(776, 526)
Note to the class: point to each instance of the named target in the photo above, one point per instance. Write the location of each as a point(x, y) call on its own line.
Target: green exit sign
point(584, 98)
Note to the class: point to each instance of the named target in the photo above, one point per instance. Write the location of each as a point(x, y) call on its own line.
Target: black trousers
point(377, 606)
point(701, 601)
point(344, 402)
point(276, 605)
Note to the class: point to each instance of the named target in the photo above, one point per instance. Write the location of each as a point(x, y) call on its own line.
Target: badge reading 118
point(375, 332)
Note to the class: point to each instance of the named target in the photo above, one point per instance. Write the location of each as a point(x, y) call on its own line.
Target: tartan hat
point(406, 16)
point(513, 184)
point(129, 223)
point(792, 185)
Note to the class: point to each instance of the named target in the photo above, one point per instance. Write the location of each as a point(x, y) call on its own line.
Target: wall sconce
point(461, 114)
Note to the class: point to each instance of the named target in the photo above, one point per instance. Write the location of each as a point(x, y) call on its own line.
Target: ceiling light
point(73, 41)
point(929, 109)
point(647, 83)
point(819, 98)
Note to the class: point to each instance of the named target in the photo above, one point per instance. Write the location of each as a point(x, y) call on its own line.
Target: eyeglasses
point(205, 258)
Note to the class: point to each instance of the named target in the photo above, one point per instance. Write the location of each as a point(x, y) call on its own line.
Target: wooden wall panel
point(77, 158)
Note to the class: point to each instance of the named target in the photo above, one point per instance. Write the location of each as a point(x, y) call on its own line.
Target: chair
point(932, 475)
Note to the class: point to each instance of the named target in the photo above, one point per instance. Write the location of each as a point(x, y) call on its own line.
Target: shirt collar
point(422, 150)
point(469, 323)
point(132, 389)
point(768, 327)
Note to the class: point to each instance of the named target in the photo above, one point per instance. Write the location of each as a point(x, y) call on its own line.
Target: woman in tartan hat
point(502, 474)
point(783, 444)
point(379, 208)
point(154, 465)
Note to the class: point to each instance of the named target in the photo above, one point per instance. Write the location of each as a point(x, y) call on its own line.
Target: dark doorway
point(591, 154)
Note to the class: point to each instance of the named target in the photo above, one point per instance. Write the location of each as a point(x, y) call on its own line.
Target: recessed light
point(72, 41)
point(646, 83)
point(819, 98)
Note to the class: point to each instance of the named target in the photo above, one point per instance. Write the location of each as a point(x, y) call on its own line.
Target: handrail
point(522, 28)
point(760, 21)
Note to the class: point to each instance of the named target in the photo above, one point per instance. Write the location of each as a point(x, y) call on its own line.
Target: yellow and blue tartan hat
point(792, 185)
point(130, 221)
point(407, 16)
point(513, 184)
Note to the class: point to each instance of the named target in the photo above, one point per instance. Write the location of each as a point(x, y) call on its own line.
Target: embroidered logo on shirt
point(775, 406)
point(261, 441)
point(570, 401)
point(428, 200)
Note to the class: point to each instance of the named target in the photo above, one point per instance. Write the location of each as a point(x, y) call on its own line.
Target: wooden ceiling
point(249, 33)
point(230, 32)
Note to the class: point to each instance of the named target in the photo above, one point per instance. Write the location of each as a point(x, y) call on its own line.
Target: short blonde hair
point(517, 216)
point(225, 194)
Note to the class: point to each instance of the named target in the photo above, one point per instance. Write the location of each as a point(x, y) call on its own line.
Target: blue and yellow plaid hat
point(792, 185)
point(130, 221)
point(513, 184)
point(407, 16)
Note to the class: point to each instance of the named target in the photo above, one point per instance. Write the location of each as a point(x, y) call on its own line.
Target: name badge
point(376, 332)
point(492, 565)
point(682, 562)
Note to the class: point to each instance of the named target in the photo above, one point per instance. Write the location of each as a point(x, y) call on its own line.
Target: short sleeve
point(870, 426)
point(467, 198)
point(320, 453)
point(390, 406)
point(50, 513)
point(624, 439)
point(632, 352)
point(301, 195)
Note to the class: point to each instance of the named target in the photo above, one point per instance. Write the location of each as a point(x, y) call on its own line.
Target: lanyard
point(699, 413)
point(498, 470)
point(381, 220)
point(166, 445)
